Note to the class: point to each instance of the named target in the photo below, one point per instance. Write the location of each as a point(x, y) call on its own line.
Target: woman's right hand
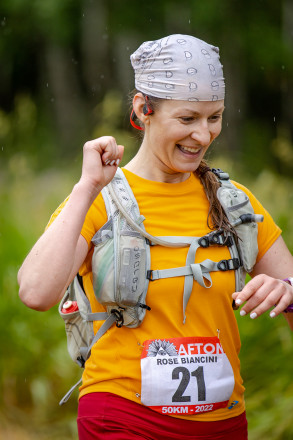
point(101, 158)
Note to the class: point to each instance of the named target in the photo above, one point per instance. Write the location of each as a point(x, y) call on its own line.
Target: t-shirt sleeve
point(268, 231)
point(96, 217)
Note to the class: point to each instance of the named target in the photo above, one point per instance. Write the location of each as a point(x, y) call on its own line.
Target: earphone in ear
point(147, 110)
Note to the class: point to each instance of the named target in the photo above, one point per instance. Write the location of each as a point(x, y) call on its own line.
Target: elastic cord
point(149, 111)
point(132, 117)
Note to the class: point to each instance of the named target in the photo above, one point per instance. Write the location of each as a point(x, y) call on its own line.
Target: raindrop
point(2, 148)
point(239, 110)
point(283, 67)
point(3, 22)
point(274, 118)
point(189, 21)
point(47, 85)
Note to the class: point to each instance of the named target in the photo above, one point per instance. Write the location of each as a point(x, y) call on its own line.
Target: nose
point(201, 134)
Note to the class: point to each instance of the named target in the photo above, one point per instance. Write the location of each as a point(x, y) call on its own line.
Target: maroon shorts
point(111, 417)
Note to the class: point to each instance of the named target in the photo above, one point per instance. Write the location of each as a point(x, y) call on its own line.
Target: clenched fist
point(101, 157)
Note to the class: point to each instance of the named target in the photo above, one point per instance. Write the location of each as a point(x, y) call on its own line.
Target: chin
point(188, 168)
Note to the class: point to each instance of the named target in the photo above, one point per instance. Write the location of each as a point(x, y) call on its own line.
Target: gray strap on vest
point(197, 275)
point(197, 270)
point(68, 394)
point(98, 316)
point(136, 227)
point(85, 351)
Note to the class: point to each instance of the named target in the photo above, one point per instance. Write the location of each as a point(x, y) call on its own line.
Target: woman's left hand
point(261, 294)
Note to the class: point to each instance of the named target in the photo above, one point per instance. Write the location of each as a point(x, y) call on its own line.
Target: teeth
point(191, 150)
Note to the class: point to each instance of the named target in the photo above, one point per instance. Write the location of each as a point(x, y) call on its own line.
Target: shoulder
point(253, 199)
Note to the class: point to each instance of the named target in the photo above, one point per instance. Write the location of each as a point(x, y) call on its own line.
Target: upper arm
point(82, 249)
point(277, 262)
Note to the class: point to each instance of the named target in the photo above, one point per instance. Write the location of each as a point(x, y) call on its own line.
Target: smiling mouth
point(189, 150)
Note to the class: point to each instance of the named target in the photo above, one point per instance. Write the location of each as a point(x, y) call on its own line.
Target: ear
point(139, 108)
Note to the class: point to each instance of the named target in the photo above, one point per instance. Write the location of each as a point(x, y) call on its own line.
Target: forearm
point(46, 270)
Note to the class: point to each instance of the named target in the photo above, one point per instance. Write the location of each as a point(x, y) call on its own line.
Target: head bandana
point(179, 67)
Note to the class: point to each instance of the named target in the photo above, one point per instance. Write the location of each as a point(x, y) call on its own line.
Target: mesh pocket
point(103, 272)
point(79, 332)
point(236, 203)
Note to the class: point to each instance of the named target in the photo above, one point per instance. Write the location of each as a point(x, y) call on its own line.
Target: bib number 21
point(185, 379)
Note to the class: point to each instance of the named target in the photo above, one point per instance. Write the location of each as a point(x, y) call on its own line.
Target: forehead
point(175, 106)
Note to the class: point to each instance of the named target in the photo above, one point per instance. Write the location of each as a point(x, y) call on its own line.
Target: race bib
point(185, 375)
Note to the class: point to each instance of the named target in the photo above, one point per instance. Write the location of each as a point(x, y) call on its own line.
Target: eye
point(215, 118)
point(186, 119)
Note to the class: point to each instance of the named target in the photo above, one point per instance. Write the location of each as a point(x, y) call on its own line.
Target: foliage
point(60, 59)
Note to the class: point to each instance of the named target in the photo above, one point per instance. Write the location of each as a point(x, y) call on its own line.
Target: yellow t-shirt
point(178, 209)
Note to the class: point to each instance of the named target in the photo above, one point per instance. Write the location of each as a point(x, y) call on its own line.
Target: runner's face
point(179, 133)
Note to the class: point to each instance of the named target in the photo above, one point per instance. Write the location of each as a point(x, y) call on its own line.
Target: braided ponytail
point(217, 218)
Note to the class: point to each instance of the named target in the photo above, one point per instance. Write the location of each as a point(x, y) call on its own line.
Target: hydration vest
point(121, 263)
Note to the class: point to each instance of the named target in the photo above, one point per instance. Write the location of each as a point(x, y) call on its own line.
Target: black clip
point(144, 306)
point(220, 174)
point(149, 243)
point(149, 275)
point(232, 264)
point(119, 318)
point(228, 241)
point(221, 239)
point(204, 242)
point(80, 360)
point(215, 238)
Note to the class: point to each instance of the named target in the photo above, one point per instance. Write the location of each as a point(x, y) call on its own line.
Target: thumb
point(121, 151)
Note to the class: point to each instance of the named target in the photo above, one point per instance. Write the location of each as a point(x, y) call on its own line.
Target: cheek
point(216, 131)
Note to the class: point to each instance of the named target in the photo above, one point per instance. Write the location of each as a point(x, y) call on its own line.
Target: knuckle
point(257, 297)
point(109, 140)
point(87, 145)
point(270, 302)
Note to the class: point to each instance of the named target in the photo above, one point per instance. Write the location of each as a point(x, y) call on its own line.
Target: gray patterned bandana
point(179, 67)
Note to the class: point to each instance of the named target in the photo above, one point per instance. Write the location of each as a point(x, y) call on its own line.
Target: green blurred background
point(65, 78)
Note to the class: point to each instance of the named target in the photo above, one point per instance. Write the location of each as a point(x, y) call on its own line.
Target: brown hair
point(217, 218)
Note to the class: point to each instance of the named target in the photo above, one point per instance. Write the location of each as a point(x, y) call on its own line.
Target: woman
point(125, 394)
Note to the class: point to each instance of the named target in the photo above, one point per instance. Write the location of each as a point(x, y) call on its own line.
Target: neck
point(151, 168)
